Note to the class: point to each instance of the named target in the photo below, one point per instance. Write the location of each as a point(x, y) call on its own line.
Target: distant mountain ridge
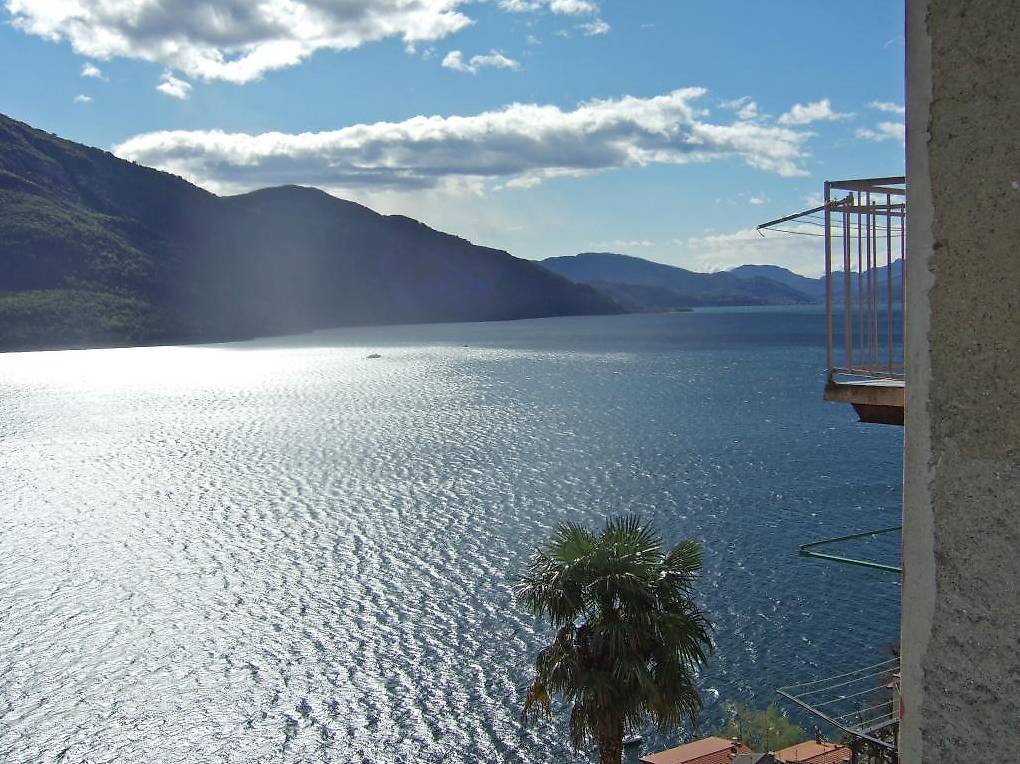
point(814, 288)
point(96, 251)
point(642, 285)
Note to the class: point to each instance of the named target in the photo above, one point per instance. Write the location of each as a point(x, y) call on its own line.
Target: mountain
point(95, 250)
point(639, 298)
point(655, 286)
point(641, 285)
point(809, 286)
point(815, 288)
point(881, 277)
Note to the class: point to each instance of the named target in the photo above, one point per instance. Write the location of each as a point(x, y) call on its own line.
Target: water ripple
point(282, 551)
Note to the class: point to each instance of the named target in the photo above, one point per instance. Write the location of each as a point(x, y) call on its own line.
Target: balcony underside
point(877, 401)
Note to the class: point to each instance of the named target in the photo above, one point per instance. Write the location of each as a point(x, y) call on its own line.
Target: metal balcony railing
point(863, 226)
point(864, 232)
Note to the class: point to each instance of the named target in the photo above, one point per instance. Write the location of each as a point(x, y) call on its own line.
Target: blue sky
point(661, 128)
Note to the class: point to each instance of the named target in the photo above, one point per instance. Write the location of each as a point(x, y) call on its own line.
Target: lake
point(285, 551)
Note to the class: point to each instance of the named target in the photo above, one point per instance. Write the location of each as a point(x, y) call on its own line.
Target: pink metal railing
point(865, 254)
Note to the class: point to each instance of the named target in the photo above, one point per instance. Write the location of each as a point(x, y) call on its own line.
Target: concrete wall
point(961, 547)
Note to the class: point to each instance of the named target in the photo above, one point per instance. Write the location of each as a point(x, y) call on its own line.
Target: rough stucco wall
point(963, 650)
point(918, 600)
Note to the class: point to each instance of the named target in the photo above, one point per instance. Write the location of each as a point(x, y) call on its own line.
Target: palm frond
point(629, 636)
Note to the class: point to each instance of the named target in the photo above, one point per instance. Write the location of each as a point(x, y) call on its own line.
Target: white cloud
point(624, 244)
point(742, 198)
point(745, 108)
point(520, 6)
point(562, 7)
point(748, 111)
point(89, 69)
point(889, 107)
point(816, 111)
point(83, 99)
point(518, 145)
point(572, 7)
point(455, 60)
point(494, 59)
point(593, 28)
point(800, 253)
point(233, 40)
point(883, 131)
point(174, 87)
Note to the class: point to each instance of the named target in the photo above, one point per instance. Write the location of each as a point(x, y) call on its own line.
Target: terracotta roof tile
point(709, 750)
point(810, 752)
point(835, 756)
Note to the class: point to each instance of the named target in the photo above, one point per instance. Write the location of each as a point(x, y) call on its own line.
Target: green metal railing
point(808, 550)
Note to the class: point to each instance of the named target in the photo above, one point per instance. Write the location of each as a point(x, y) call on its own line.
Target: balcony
point(862, 225)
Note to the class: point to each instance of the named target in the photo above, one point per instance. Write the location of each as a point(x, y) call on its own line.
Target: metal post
point(848, 328)
point(869, 225)
point(888, 277)
point(828, 286)
point(875, 340)
point(870, 230)
point(860, 289)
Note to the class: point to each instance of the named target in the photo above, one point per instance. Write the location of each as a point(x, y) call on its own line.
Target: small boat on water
point(632, 740)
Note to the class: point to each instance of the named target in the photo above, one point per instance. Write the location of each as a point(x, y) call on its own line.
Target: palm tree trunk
point(611, 745)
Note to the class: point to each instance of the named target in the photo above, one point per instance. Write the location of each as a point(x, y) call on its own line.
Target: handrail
point(807, 550)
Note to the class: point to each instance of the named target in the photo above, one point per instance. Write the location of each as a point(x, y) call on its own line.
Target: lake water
point(284, 551)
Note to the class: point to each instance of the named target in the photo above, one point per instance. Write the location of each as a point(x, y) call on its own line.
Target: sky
point(665, 129)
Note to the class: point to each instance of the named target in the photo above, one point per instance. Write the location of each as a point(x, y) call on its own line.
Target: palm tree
point(629, 637)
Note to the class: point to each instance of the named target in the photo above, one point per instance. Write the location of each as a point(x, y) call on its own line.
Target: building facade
point(960, 636)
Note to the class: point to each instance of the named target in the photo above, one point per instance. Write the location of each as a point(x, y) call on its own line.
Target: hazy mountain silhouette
point(816, 287)
point(640, 283)
point(95, 250)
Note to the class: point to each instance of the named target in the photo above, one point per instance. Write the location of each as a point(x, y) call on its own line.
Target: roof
point(754, 758)
point(811, 752)
point(708, 750)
